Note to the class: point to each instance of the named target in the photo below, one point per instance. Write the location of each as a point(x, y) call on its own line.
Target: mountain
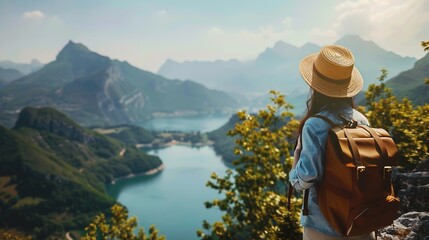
point(94, 90)
point(211, 74)
point(53, 171)
point(411, 83)
point(277, 68)
point(24, 68)
point(272, 69)
point(7, 75)
point(370, 58)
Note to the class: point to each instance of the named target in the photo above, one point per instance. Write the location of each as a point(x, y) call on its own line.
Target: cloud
point(287, 23)
point(394, 24)
point(36, 14)
point(215, 31)
point(244, 43)
point(162, 13)
point(323, 36)
point(262, 36)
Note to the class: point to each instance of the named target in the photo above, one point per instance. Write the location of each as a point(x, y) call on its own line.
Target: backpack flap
point(369, 151)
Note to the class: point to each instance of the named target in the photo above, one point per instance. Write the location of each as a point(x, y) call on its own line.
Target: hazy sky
point(147, 32)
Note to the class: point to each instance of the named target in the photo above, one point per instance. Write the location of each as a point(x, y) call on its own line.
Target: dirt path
point(122, 152)
point(68, 237)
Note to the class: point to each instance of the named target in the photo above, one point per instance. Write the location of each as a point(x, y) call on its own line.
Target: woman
point(334, 81)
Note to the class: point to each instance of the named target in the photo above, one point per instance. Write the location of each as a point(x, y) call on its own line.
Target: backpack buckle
point(387, 177)
point(351, 124)
point(360, 170)
point(387, 171)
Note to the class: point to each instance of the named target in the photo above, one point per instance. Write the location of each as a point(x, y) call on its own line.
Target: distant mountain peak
point(351, 37)
point(76, 46)
point(283, 46)
point(357, 44)
point(310, 47)
point(72, 49)
point(171, 61)
point(309, 44)
point(355, 40)
point(36, 62)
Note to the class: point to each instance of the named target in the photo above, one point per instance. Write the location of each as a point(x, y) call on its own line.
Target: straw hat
point(331, 72)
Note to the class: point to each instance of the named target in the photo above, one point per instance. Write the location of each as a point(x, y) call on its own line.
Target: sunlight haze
point(147, 33)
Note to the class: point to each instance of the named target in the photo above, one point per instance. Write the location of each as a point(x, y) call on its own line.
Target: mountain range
point(95, 90)
point(277, 68)
point(53, 171)
point(24, 68)
point(7, 75)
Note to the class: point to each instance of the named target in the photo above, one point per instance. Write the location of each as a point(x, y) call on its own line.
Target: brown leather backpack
point(355, 193)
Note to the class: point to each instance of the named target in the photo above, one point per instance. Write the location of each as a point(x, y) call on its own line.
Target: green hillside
point(129, 134)
point(411, 83)
point(224, 145)
point(52, 172)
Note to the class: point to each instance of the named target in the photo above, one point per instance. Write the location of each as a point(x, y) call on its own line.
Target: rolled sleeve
point(309, 168)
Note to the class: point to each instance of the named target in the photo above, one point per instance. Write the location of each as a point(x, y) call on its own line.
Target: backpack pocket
point(368, 218)
point(334, 204)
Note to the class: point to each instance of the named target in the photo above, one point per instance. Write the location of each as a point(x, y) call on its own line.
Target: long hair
point(317, 101)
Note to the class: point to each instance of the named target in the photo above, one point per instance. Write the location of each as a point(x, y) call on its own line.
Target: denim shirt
point(309, 169)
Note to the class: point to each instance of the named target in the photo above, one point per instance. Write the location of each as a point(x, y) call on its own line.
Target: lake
point(202, 123)
point(173, 200)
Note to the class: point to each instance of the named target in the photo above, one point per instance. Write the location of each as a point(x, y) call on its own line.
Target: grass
point(7, 191)
point(28, 201)
point(109, 130)
point(4, 180)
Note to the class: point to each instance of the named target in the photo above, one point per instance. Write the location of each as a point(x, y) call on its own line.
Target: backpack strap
point(378, 141)
point(327, 120)
point(387, 170)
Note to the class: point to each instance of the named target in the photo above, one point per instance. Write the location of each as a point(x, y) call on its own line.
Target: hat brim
point(332, 89)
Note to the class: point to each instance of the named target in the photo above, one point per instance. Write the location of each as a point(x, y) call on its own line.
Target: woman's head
point(331, 72)
point(333, 80)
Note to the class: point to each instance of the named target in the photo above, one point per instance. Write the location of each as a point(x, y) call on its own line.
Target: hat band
point(331, 80)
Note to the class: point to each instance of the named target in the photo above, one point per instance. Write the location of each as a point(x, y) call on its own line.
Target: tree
point(4, 235)
point(425, 45)
point(407, 124)
point(118, 227)
point(254, 200)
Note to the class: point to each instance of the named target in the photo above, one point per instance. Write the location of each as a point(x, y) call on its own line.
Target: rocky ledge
point(413, 191)
point(409, 226)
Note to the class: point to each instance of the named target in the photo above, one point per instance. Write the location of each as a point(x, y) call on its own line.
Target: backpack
point(355, 194)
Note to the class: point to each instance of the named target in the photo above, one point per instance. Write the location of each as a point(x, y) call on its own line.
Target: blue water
point(200, 123)
point(173, 200)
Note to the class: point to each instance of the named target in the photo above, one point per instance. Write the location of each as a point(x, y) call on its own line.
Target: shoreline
point(147, 173)
point(174, 143)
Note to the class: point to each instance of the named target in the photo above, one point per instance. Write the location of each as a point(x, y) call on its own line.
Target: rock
point(51, 120)
point(414, 189)
point(409, 226)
